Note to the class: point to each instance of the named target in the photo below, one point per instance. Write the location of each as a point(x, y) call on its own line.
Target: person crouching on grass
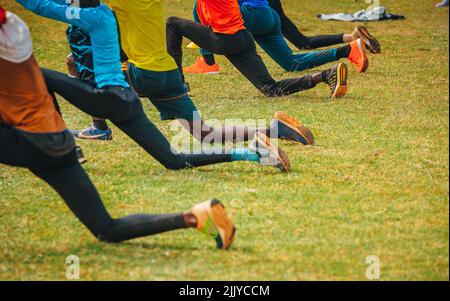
point(264, 24)
point(153, 74)
point(222, 31)
point(80, 65)
point(110, 96)
point(33, 135)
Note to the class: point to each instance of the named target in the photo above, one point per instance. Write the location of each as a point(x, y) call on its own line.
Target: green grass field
point(375, 184)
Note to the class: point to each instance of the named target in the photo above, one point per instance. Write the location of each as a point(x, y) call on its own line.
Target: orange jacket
point(24, 100)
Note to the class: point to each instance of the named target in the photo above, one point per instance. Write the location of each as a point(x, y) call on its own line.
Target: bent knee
point(176, 162)
point(176, 166)
point(172, 21)
point(109, 236)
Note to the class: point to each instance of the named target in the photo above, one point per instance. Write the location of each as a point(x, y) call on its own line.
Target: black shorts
point(37, 152)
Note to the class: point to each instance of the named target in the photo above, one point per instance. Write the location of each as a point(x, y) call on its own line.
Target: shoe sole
point(341, 87)
point(295, 125)
point(278, 152)
point(81, 136)
point(372, 44)
point(223, 223)
point(364, 54)
point(206, 73)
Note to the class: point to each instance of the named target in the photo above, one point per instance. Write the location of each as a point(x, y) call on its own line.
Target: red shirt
point(224, 16)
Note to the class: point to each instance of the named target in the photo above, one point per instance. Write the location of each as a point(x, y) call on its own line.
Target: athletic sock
point(325, 75)
point(100, 124)
point(244, 154)
point(319, 77)
point(343, 52)
point(209, 59)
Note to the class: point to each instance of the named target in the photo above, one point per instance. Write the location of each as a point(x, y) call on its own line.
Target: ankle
point(209, 59)
point(343, 52)
point(348, 38)
point(319, 77)
point(190, 220)
point(100, 124)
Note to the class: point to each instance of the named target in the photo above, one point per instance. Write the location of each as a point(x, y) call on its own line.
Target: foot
point(291, 129)
point(358, 56)
point(212, 219)
point(371, 43)
point(92, 133)
point(201, 67)
point(337, 80)
point(74, 133)
point(269, 154)
point(80, 156)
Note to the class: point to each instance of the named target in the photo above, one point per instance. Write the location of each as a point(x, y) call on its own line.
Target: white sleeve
point(15, 41)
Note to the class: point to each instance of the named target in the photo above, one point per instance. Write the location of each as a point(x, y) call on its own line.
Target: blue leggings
point(265, 26)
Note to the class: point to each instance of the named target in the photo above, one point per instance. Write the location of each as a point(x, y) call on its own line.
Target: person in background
point(80, 64)
point(302, 42)
point(153, 73)
point(264, 24)
point(222, 31)
point(111, 97)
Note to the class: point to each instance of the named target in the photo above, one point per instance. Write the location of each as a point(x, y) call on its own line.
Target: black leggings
point(66, 176)
point(240, 50)
point(293, 35)
point(124, 109)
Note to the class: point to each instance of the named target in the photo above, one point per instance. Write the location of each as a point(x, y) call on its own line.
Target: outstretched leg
point(62, 172)
point(275, 45)
point(125, 110)
point(222, 134)
point(177, 28)
point(74, 186)
point(148, 136)
point(253, 68)
point(302, 42)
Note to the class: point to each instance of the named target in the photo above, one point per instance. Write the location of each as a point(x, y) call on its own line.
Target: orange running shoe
point(358, 56)
point(290, 128)
point(337, 80)
point(269, 153)
point(213, 220)
point(371, 42)
point(201, 67)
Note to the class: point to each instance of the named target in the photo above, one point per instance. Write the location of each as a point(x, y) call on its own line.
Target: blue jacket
point(100, 24)
point(254, 3)
point(81, 47)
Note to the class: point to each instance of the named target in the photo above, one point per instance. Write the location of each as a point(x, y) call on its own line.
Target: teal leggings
point(265, 26)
